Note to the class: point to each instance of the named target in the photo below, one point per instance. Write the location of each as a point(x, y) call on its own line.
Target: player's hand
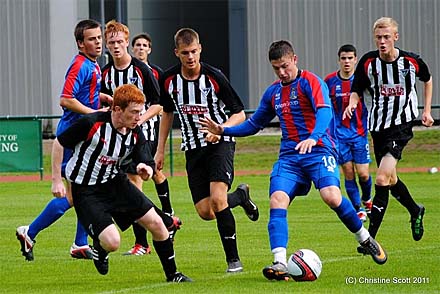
point(104, 109)
point(159, 160)
point(105, 98)
point(348, 112)
point(427, 119)
point(208, 125)
point(145, 171)
point(58, 188)
point(305, 146)
point(212, 138)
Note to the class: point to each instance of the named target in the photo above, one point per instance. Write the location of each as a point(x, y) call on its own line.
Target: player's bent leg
point(107, 241)
point(109, 238)
point(153, 223)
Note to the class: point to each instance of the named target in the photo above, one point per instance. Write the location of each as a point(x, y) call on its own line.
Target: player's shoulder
point(272, 88)
point(81, 62)
point(369, 55)
point(310, 76)
point(139, 64)
point(98, 116)
point(409, 54)
point(157, 69)
point(172, 71)
point(107, 66)
point(331, 76)
point(209, 68)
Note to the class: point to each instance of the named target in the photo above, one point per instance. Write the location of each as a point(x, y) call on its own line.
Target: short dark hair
point(279, 49)
point(347, 48)
point(185, 36)
point(145, 36)
point(85, 25)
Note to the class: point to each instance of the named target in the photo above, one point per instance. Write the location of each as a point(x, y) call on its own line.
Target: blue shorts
point(67, 153)
point(294, 174)
point(356, 150)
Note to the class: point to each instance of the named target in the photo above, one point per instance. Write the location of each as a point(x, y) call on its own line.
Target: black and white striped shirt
point(209, 95)
point(99, 149)
point(140, 75)
point(389, 88)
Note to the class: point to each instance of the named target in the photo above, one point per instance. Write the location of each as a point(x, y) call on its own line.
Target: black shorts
point(119, 200)
point(128, 166)
point(213, 163)
point(391, 140)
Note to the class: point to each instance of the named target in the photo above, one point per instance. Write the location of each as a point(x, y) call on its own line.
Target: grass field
point(412, 266)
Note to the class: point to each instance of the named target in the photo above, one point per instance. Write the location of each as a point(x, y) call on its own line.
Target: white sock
point(362, 235)
point(279, 255)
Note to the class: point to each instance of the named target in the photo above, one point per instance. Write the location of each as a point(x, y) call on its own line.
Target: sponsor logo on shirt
point(392, 90)
point(194, 109)
point(105, 160)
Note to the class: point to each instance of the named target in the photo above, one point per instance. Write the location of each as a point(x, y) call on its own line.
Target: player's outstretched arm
point(354, 100)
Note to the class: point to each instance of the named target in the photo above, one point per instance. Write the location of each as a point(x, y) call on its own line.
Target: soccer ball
point(304, 265)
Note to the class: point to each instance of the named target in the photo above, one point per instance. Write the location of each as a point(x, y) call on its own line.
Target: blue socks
point(353, 193)
point(81, 235)
point(51, 213)
point(366, 189)
point(277, 227)
point(348, 215)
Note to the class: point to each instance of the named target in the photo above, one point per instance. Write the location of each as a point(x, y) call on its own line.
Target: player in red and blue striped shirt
point(80, 95)
point(307, 153)
point(353, 147)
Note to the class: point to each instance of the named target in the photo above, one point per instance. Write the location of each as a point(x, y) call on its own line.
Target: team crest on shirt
point(292, 95)
point(133, 80)
point(404, 72)
point(206, 91)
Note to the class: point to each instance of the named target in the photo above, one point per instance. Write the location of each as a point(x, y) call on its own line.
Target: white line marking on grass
point(165, 284)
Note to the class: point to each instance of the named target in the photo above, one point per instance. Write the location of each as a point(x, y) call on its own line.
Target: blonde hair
point(385, 22)
point(113, 27)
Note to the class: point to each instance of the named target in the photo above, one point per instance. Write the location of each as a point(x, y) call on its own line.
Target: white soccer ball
point(433, 170)
point(304, 265)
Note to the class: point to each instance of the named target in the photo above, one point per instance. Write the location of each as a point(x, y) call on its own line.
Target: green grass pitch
point(412, 266)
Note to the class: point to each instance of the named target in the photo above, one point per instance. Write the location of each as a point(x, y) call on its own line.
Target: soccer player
point(141, 47)
point(102, 193)
point(307, 152)
point(352, 134)
point(124, 69)
point(386, 78)
point(195, 89)
point(80, 95)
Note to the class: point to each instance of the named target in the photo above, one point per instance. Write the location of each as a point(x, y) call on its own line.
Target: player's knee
point(383, 179)
point(111, 244)
point(364, 176)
